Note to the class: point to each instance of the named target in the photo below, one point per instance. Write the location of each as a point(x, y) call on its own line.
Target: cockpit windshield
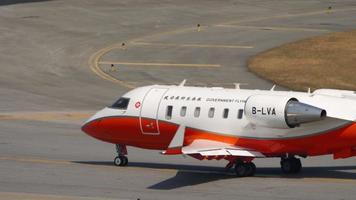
point(121, 104)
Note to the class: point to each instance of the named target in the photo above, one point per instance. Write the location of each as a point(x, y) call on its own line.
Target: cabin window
point(183, 111)
point(197, 112)
point(226, 113)
point(169, 112)
point(121, 104)
point(211, 112)
point(240, 113)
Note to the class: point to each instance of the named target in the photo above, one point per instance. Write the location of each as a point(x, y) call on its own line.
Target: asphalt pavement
point(62, 60)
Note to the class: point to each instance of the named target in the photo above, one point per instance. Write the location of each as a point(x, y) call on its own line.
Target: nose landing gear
point(121, 159)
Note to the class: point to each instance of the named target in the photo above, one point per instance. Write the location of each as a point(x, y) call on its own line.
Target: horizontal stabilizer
point(335, 107)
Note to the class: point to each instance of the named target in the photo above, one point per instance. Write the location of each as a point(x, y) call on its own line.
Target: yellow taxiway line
point(160, 64)
point(33, 196)
point(94, 66)
point(192, 45)
point(35, 160)
point(95, 57)
point(46, 116)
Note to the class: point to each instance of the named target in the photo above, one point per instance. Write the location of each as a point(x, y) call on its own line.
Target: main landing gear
point(121, 159)
point(291, 165)
point(243, 168)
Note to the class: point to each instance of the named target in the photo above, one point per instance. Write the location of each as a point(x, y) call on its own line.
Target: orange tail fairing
point(120, 129)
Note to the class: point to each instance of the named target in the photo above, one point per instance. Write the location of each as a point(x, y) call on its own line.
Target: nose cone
point(105, 125)
point(92, 128)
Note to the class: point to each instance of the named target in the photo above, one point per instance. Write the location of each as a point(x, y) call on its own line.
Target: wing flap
point(205, 147)
point(245, 153)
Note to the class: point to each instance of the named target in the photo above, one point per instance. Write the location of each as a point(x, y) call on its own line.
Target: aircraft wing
point(205, 147)
point(214, 148)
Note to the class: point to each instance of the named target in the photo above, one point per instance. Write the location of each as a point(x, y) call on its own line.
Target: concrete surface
point(55, 61)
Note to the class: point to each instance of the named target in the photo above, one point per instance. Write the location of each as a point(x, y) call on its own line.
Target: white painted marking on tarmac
point(160, 64)
point(191, 45)
point(273, 28)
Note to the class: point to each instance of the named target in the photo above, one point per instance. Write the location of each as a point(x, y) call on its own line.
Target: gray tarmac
point(55, 59)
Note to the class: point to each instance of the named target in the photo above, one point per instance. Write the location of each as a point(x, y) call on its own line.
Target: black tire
point(125, 161)
point(240, 169)
point(291, 165)
point(120, 161)
point(251, 169)
point(297, 165)
point(286, 166)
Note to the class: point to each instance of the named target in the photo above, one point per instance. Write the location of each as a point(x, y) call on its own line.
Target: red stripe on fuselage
point(126, 130)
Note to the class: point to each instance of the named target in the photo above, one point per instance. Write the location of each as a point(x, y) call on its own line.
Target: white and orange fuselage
point(149, 117)
point(145, 123)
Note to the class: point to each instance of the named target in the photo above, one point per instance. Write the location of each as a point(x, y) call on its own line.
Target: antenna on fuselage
point(237, 85)
point(272, 89)
point(181, 84)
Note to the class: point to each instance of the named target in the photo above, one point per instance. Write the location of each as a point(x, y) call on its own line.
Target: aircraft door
point(149, 111)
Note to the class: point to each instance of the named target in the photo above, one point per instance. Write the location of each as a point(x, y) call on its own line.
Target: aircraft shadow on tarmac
point(188, 178)
point(189, 175)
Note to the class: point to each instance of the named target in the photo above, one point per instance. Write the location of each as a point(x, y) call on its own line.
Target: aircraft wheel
point(298, 165)
point(251, 169)
point(121, 161)
point(291, 165)
point(245, 169)
point(240, 169)
point(126, 161)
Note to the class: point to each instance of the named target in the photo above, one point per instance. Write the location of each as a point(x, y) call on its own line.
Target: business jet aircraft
point(236, 125)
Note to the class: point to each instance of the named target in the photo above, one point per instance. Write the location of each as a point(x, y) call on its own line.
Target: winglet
point(175, 147)
point(181, 84)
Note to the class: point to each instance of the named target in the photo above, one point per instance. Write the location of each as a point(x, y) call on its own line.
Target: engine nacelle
point(280, 111)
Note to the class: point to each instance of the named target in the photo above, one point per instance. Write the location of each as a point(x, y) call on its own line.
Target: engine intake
point(280, 111)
